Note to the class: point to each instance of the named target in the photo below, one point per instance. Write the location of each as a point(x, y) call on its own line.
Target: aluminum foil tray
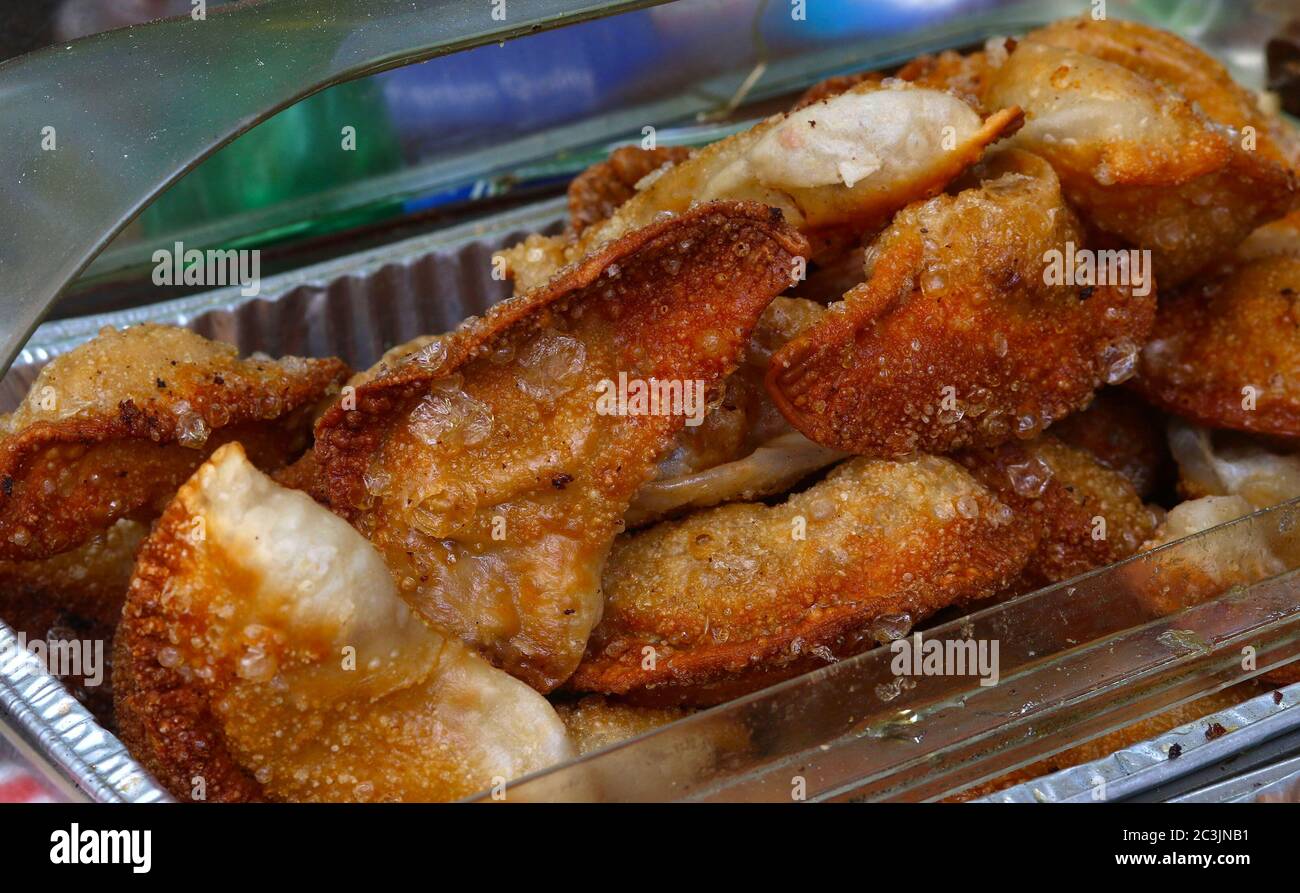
point(1178, 753)
point(1078, 659)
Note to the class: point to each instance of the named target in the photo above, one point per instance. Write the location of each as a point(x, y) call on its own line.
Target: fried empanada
point(1088, 516)
point(956, 339)
point(664, 768)
point(1140, 161)
point(851, 160)
point(734, 598)
point(1225, 351)
point(264, 653)
point(1226, 475)
point(112, 428)
point(833, 86)
point(1125, 435)
point(88, 581)
point(485, 468)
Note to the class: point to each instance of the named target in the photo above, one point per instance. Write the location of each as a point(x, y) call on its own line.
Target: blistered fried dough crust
point(264, 654)
point(1138, 160)
point(112, 428)
point(743, 417)
point(1125, 435)
point(770, 468)
point(955, 339)
point(744, 448)
point(1225, 351)
point(734, 598)
point(500, 432)
point(834, 86)
point(75, 595)
point(595, 721)
point(849, 161)
point(89, 581)
point(1275, 239)
point(1178, 66)
point(964, 76)
point(1066, 493)
point(599, 191)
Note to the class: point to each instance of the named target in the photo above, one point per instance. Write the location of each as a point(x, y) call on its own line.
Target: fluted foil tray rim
point(59, 336)
point(1147, 764)
point(46, 716)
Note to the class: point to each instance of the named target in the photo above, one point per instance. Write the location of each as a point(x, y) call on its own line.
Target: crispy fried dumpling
point(88, 581)
point(111, 429)
point(850, 160)
point(264, 653)
point(834, 86)
point(1225, 351)
point(661, 768)
point(1140, 161)
point(957, 338)
point(1087, 515)
point(489, 470)
point(731, 599)
point(964, 75)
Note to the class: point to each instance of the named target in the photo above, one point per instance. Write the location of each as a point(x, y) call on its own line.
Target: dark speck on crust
point(561, 480)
